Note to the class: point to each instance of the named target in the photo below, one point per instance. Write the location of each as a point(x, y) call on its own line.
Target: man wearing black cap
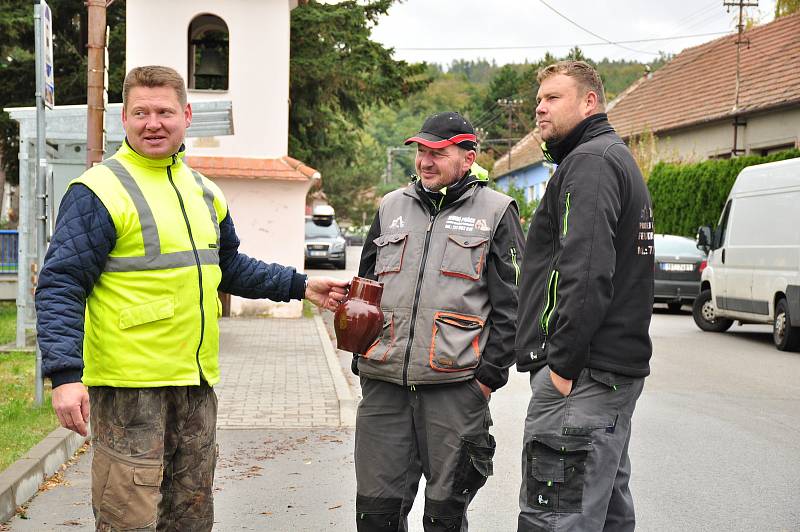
point(446, 249)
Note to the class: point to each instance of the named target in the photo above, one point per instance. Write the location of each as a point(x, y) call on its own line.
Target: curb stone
point(21, 480)
point(347, 403)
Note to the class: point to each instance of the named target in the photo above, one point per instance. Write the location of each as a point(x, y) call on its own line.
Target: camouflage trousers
point(154, 457)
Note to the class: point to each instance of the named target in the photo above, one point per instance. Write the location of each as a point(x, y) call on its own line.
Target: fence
point(9, 249)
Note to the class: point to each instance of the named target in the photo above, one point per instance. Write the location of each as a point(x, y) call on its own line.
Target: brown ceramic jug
point(359, 318)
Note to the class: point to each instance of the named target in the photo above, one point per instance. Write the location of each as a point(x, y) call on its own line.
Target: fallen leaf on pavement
point(54, 481)
point(334, 507)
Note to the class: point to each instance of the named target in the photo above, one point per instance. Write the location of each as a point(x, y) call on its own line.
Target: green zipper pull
point(516, 265)
point(566, 214)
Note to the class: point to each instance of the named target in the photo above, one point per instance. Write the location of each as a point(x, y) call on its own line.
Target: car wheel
point(786, 337)
point(342, 264)
point(704, 314)
point(675, 306)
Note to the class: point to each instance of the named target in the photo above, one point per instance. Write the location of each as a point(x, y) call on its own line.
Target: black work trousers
point(441, 431)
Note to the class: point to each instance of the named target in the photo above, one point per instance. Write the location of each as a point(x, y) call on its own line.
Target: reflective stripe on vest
point(153, 259)
point(208, 196)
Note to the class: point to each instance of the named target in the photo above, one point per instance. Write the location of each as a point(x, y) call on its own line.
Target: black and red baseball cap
point(443, 129)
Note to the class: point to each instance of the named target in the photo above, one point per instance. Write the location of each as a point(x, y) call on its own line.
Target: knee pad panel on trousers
point(444, 515)
point(376, 513)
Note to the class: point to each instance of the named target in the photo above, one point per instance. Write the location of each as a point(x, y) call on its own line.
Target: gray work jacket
point(435, 297)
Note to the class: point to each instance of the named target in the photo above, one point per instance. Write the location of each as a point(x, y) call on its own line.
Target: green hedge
point(686, 196)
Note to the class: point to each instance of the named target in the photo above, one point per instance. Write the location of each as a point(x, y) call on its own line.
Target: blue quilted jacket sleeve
point(83, 237)
point(82, 240)
point(251, 278)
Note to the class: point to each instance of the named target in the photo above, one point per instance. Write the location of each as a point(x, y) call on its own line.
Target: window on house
point(208, 53)
point(773, 149)
point(721, 155)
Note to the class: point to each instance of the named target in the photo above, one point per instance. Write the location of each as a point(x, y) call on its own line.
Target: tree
point(786, 7)
point(17, 62)
point(480, 71)
point(645, 151)
point(507, 84)
point(16, 76)
point(336, 74)
point(526, 208)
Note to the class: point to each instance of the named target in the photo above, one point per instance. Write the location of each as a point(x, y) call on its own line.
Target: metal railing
point(9, 250)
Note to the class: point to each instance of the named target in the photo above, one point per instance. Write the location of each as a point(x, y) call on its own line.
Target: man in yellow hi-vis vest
point(127, 303)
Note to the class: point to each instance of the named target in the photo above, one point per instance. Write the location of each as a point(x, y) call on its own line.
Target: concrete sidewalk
point(285, 415)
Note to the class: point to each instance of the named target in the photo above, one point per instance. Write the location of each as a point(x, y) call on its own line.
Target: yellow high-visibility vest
point(151, 319)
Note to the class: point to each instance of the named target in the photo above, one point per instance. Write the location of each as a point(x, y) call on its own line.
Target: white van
point(753, 272)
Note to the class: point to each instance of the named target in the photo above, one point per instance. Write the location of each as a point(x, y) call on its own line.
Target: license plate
point(676, 267)
point(317, 253)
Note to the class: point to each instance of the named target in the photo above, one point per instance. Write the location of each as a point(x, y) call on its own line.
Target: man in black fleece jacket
point(586, 296)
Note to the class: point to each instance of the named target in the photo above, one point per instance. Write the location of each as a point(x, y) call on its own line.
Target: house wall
point(270, 229)
point(157, 33)
point(762, 131)
point(269, 214)
point(532, 179)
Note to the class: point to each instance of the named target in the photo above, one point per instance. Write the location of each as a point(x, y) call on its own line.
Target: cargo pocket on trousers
point(555, 472)
point(474, 463)
point(125, 490)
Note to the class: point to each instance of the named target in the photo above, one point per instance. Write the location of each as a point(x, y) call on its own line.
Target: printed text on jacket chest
point(466, 223)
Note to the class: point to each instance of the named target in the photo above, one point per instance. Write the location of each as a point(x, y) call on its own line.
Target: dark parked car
point(325, 243)
point(678, 267)
point(355, 235)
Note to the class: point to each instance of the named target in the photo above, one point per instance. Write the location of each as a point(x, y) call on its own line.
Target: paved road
point(716, 442)
point(353, 256)
point(716, 447)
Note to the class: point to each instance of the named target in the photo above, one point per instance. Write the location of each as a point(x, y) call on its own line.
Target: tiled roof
point(698, 85)
point(524, 153)
point(282, 169)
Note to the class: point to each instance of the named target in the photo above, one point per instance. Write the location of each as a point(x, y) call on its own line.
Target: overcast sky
point(440, 24)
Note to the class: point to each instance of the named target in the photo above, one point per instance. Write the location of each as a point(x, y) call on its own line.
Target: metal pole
point(23, 261)
point(41, 174)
